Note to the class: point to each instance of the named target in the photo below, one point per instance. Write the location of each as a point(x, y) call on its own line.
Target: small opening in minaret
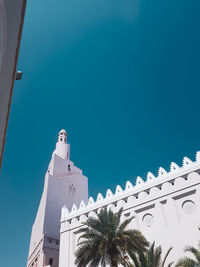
point(60, 139)
point(69, 167)
point(50, 261)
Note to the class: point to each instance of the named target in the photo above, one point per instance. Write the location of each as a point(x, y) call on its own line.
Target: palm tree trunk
point(114, 263)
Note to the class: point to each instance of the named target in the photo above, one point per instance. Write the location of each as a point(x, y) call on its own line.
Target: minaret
point(64, 185)
point(62, 148)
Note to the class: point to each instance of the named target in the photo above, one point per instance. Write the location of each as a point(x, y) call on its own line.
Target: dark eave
point(12, 18)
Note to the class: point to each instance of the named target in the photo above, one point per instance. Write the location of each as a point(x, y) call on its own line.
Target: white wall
point(64, 185)
point(166, 210)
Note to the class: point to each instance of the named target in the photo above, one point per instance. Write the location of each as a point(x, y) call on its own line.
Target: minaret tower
point(64, 185)
point(62, 148)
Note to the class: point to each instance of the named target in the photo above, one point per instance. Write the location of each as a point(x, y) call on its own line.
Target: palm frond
point(104, 241)
point(186, 262)
point(195, 252)
point(134, 258)
point(166, 255)
point(157, 256)
point(148, 257)
point(123, 225)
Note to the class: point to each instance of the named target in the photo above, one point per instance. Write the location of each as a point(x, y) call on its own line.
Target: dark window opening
point(50, 261)
point(69, 167)
point(60, 139)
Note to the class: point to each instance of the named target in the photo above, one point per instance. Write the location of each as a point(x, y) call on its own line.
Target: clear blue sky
point(121, 76)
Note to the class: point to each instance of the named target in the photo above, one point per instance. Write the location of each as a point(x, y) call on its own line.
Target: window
point(148, 219)
point(50, 261)
point(188, 206)
point(69, 167)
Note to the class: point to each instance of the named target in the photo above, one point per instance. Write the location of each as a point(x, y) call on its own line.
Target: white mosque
point(166, 208)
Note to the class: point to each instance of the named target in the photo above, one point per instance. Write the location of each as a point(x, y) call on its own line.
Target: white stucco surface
point(64, 185)
point(166, 210)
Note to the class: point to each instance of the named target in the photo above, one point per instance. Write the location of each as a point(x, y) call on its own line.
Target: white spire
point(62, 148)
point(62, 136)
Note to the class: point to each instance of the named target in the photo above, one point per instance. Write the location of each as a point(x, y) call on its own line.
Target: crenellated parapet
point(143, 191)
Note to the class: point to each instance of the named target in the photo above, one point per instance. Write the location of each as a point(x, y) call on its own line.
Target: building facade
point(166, 208)
point(11, 24)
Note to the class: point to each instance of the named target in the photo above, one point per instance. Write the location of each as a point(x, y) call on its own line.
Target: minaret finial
point(62, 136)
point(62, 147)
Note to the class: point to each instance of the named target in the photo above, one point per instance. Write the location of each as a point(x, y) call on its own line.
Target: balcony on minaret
point(62, 148)
point(60, 164)
point(62, 136)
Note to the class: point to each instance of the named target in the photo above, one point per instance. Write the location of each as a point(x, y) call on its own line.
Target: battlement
point(143, 191)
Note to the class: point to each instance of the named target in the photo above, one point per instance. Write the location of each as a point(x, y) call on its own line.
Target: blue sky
point(121, 76)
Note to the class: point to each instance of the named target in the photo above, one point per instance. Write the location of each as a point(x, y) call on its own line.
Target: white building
point(64, 184)
point(166, 208)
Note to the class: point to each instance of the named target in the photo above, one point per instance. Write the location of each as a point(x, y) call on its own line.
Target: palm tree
point(105, 240)
point(188, 262)
point(150, 257)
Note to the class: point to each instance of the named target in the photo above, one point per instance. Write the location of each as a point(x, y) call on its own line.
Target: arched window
point(51, 261)
point(69, 167)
